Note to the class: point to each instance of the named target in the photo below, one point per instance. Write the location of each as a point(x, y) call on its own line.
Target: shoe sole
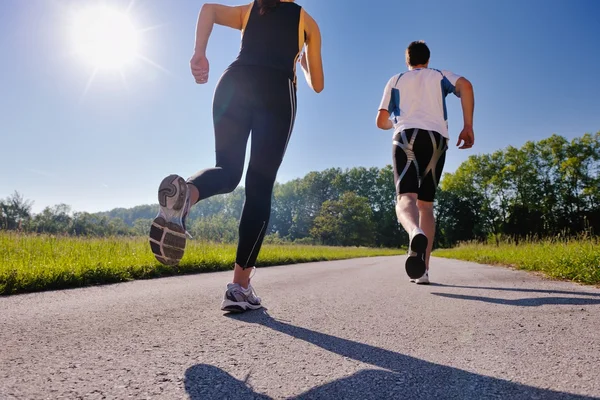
point(415, 263)
point(167, 234)
point(238, 307)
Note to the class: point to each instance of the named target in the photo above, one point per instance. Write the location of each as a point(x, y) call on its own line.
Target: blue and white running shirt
point(417, 99)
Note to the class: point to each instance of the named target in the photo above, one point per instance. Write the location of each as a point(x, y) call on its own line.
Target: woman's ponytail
point(266, 6)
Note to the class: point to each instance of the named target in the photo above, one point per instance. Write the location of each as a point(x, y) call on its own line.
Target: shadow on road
point(592, 299)
point(519, 290)
point(403, 377)
point(532, 302)
point(206, 382)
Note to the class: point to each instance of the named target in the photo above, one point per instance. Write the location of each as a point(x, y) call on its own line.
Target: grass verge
point(575, 260)
point(30, 263)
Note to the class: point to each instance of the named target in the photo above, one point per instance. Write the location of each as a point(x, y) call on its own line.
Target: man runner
point(416, 103)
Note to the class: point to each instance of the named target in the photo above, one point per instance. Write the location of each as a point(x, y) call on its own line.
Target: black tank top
point(273, 40)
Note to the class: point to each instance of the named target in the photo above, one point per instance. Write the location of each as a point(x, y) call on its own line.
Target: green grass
point(575, 260)
point(30, 263)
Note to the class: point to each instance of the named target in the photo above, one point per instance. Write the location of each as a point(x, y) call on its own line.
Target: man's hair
point(417, 53)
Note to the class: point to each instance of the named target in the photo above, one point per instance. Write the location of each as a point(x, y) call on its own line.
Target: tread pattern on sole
point(167, 241)
point(167, 238)
point(169, 187)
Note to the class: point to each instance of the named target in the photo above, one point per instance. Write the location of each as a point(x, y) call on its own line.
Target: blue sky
point(108, 142)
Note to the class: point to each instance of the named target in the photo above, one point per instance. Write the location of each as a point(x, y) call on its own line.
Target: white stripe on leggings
point(255, 243)
point(293, 115)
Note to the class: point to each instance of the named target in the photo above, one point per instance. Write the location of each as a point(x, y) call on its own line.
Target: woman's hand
point(200, 68)
point(303, 61)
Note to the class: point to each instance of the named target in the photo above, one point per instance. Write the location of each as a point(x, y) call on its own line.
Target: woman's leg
point(232, 118)
point(271, 130)
point(232, 122)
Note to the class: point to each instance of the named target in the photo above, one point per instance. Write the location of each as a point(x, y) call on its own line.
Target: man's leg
point(408, 214)
point(432, 174)
point(406, 178)
point(427, 223)
point(407, 211)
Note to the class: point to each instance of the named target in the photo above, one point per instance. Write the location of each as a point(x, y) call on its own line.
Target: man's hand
point(467, 136)
point(200, 68)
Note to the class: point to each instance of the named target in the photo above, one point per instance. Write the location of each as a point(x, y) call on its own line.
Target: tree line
point(543, 189)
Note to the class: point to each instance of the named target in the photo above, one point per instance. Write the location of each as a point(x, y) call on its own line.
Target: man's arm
point(386, 106)
point(383, 120)
point(464, 90)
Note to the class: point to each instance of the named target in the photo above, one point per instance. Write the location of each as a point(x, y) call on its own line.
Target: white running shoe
point(237, 299)
point(168, 233)
point(424, 280)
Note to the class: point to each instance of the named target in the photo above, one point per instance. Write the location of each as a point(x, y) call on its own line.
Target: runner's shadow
point(402, 376)
point(203, 382)
point(532, 302)
point(519, 290)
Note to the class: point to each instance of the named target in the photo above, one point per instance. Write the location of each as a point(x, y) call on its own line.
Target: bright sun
point(105, 38)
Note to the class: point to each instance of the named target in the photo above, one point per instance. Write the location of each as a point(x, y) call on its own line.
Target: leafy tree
point(14, 211)
point(141, 226)
point(55, 219)
point(542, 189)
point(215, 228)
point(285, 208)
point(345, 222)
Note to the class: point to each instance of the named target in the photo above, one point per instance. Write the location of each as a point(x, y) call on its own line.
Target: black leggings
point(263, 101)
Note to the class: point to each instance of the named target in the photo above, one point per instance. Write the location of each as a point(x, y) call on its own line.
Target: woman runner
point(256, 93)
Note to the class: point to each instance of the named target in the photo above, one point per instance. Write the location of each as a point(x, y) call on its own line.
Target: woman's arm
point(311, 62)
point(212, 14)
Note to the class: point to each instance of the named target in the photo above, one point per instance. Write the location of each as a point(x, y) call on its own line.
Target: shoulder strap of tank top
point(247, 16)
point(301, 41)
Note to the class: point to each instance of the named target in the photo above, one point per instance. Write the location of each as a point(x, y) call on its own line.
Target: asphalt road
point(353, 329)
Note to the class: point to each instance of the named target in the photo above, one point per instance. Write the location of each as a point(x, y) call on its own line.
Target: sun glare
point(105, 38)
